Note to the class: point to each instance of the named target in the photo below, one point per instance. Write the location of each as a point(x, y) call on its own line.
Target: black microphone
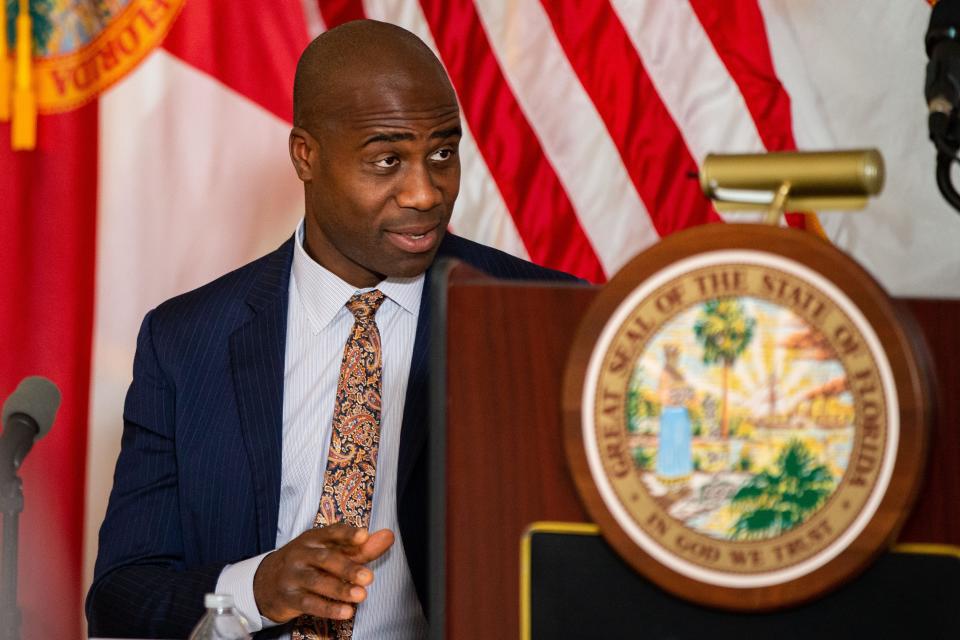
point(27, 416)
point(942, 86)
point(942, 90)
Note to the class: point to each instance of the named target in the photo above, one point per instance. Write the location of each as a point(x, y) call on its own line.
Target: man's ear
point(303, 153)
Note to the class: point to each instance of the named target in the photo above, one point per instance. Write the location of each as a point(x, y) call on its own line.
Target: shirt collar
point(324, 294)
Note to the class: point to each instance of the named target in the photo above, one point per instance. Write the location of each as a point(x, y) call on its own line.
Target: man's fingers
point(340, 565)
point(375, 546)
point(333, 588)
point(338, 534)
point(320, 607)
point(321, 572)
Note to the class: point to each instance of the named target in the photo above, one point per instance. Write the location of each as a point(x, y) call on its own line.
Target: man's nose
point(419, 190)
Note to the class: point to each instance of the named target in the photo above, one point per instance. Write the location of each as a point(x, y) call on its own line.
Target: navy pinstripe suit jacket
point(197, 483)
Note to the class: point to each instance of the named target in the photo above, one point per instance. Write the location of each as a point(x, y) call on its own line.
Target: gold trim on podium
point(927, 549)
point(570, 528)
point(590, 529)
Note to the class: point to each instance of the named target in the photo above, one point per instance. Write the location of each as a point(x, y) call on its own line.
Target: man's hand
point(319, 573)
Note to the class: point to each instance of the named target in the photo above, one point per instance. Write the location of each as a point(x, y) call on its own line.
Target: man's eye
point(388, 162)
point(441, 155)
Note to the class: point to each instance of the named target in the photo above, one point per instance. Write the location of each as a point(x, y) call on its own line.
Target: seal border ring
point(666, 275)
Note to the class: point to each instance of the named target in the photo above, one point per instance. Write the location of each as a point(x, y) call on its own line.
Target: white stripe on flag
point(312, 18)
point(571, 131)
point(690, 77)
point(692, 80)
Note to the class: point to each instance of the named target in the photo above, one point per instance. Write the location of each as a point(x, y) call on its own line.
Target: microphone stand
point(11, 505)
point(947, 190)
point(944, 126)
point(945, 135)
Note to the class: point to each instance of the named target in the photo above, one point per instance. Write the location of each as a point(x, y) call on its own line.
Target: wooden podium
point(496, 443)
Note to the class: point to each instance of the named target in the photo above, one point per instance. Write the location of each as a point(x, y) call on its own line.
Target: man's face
point(382, 175)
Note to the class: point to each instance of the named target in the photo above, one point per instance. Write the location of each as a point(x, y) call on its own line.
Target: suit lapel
point(256, 358)
point(416, 405)
point(413, 434)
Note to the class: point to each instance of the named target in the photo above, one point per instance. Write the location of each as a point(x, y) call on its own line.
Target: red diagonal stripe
point(738, 34)
point(251, 47)
point(336, 12)
point(541, 209)
point(651, 145)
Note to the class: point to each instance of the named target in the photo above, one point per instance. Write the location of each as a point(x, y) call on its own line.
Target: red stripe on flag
point(739, 36)
point(48, 218)
point(252, 47)
point(649, 141)
point(336, 12)
point(541, 209)
point(737, 32)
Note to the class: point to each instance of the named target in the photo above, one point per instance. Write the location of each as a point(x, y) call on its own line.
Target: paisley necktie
point(352, 461)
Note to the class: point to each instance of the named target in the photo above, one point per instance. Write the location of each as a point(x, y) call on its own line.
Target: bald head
point(344, 62)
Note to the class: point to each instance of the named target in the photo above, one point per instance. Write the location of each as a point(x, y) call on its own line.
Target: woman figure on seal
point(674, 453)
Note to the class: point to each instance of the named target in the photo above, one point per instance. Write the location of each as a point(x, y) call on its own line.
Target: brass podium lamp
point(795, 180)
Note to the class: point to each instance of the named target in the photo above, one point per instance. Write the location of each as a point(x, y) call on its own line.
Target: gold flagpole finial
point(5, 75)
point(24, 98)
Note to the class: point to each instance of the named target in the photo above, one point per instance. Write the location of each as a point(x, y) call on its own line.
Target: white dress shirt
point(318, 324)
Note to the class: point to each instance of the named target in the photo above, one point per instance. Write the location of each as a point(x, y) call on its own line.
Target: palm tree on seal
point(724, 330)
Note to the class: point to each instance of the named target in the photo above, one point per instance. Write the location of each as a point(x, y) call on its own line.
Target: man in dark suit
point(227, 421)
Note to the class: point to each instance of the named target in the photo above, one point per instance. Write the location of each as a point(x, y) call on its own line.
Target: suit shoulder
point(497, 263)
point(226, 296)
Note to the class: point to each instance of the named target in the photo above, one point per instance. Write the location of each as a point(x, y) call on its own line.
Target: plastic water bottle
point(221, 622)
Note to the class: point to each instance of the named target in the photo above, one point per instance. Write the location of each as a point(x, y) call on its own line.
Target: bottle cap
point(217, 601)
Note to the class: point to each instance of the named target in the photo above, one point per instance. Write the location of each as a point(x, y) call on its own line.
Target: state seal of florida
point(740, 423)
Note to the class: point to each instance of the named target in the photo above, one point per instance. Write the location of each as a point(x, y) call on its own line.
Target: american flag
point(585, 122)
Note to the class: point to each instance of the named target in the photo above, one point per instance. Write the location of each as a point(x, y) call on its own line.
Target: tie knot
point(364, 306)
